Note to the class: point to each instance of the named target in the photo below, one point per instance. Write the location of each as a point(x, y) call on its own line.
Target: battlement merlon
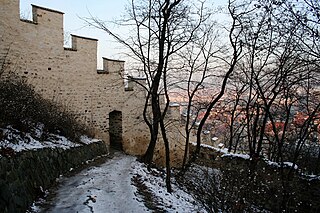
point(112, 66)
point(46, 16)
point(174, 112)
point(48, 29)
point(136, 83)
point(79, 43)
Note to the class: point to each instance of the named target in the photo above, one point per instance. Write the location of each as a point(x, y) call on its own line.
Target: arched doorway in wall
point(115, 129)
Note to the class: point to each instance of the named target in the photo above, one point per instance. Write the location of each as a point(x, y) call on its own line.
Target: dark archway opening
point(115, 129)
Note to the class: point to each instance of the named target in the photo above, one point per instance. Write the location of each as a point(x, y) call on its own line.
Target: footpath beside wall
point(23, 176)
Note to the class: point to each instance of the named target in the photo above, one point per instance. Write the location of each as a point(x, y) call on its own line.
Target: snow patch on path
point(109, 188)
point(104, 188)
point(177, 201)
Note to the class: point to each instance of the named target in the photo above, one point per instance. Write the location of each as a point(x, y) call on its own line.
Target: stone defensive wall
point(34, 49)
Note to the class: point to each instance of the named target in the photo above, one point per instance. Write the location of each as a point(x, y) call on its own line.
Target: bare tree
point(235, 32)
point(272, 64)
point(161, 31)
point(279, 68)
point(274, 85)
point(197, 75)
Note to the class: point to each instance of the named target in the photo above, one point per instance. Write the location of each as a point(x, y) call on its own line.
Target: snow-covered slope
point(17, 141)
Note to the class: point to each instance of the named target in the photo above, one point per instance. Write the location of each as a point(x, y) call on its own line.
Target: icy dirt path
point(100, 189)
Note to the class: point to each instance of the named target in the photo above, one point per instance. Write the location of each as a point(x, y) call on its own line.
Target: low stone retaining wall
point(23, 176)
point(263, 187)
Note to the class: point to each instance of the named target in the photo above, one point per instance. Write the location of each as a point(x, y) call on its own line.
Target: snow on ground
point(19, 141)
point(310, 177)
point(177, 201)
point(110, 188)
point(87, 140)
point(284, 164)
point(224, 151)
point(244, 156)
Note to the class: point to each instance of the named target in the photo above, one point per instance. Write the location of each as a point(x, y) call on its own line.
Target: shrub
point(22, 107)
point(242, 185)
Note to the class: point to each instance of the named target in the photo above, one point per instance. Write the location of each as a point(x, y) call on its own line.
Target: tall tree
point(274, 65)
point(161, 30)
point(235, 33)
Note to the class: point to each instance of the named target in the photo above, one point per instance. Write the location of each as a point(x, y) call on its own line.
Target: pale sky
point(107, 10)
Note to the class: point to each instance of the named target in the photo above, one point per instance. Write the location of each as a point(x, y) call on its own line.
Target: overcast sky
point(107, 10)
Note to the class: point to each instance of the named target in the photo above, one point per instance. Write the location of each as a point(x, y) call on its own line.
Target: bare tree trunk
point(167, 151)
point(237, 49)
